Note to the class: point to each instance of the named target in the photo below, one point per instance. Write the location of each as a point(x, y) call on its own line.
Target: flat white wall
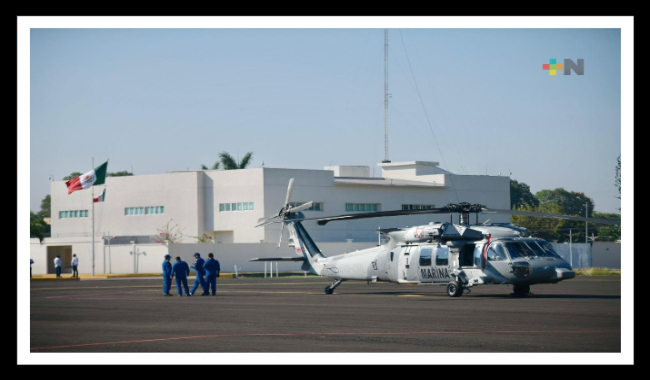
point(119, 260)
point(607, 255)
point(177, 192)
point(82, 247)
point(234, 186)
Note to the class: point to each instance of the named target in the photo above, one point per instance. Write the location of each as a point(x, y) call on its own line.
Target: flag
point(101, 197)
point(94, 177)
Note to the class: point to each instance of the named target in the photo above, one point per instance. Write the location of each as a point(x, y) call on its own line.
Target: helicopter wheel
point(454, 289)
point(329, 290)
point(521, 290)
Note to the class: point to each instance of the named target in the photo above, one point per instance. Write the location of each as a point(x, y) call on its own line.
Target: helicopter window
point(391, 256)
point(496, 253)
point(442, 257)
point(517, 249)
point(425, 257)
point(548, 248)
point(538, 251)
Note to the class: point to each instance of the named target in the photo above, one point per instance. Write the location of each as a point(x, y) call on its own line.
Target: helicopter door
point(498, 268)
point(404, 265)
point(440, 272)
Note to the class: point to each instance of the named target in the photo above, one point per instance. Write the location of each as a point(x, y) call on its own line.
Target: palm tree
point(214, 167)
point(229, 163)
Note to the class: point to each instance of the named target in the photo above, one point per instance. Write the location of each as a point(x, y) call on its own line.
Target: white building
point(226, 204)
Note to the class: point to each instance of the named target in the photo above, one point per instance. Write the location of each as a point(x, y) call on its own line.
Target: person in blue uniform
point(212, 269)
point(166, 273)
point(200, 275)
point(181, 270)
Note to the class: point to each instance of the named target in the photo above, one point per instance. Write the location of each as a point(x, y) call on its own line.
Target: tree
point(72, 175)
point(214, 167)
point(229, 163)
point(123, 173)
point(558, 201)
point(608, 233)
point(205, 239)
point(37, 226)
point(572, 203)
point(169, 234)
point(46, 207)
point(550, 229)
point(520, 195)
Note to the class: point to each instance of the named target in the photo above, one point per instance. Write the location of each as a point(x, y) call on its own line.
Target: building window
point(363, 207)
point(73, 214)
point(149, 210)
point(418, 207)
point(241, 206)
point(316, 206)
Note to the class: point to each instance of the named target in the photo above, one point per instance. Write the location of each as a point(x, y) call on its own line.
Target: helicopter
point(459, 256)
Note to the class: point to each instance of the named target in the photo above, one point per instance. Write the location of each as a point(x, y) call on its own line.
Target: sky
point(475, 100)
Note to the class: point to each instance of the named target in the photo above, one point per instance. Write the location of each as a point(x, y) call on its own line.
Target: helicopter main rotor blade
point(303, 206)
point(289, 189)
point(552, 216)
point(281, 233)
point(264, 220)
point(379, 214)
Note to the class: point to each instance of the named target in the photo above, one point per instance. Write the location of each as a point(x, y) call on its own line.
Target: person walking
point(74, 263)
point(200, 273)
point(181, 270)
point(166, 273)
point(57, 266)
point(31, 261)
point(212, 269)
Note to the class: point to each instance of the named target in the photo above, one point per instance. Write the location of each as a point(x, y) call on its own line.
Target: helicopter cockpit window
point(425, 257)
point(442, 257)
point(548, 248)
point(538, 251)
point(496, 253)
point(517, 249)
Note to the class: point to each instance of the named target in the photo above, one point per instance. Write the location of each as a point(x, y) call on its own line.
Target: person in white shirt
point(57, 266)
point(74, 263)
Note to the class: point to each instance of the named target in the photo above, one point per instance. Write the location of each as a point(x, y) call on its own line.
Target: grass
point(598, 272)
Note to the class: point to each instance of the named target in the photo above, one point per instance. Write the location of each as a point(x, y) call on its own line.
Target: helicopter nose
point(564, 273)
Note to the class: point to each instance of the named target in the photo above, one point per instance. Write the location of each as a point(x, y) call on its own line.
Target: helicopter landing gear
point(454, 289)
point(330, 289)
point(521, 290)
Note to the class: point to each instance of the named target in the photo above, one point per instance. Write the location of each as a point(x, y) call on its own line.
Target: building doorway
point(65, 253)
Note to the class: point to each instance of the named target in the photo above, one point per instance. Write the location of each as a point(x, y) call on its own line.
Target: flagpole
point(92, 200)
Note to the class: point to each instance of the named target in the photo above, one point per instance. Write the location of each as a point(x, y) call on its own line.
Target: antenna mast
point(386, 159)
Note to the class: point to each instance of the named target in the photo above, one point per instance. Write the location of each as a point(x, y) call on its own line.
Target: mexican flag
point(94, 177)
point(101, 197)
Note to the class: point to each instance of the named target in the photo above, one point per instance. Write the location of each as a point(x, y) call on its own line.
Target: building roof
point(373, 181)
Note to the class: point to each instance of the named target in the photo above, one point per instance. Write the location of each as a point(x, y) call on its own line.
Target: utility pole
point(586, 223)
point(386, 159)
point(570, 248)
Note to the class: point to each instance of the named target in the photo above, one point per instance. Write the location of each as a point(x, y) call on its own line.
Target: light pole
point(586, 223)
point(109, 238)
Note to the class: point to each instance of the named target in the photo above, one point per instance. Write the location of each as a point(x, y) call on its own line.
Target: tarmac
point(293, 314)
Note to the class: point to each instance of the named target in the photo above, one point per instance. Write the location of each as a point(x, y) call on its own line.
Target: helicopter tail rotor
point(287, 212)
